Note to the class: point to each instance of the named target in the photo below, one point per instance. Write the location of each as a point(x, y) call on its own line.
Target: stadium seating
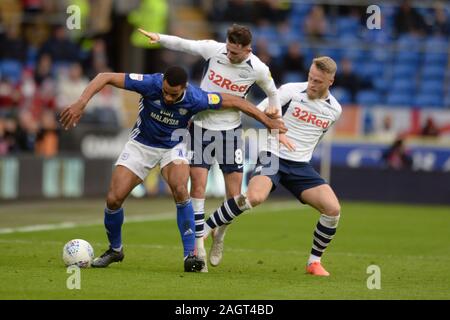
point(428, 100)
point(342, 95)
point(399, 99)
point(368, 98)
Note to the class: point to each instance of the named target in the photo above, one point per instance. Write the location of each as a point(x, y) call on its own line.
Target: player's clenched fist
point(273, 113)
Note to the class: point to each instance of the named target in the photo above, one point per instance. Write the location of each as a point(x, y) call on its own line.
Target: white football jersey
point(223, 76)
point(307, 121)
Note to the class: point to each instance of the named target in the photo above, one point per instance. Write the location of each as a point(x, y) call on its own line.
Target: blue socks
point(186, 225)
point(113, 225)
point(185, 220)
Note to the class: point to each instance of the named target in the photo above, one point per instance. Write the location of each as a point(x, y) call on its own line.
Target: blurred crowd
point(44, 67)
point(409, 53)
point(42, 71)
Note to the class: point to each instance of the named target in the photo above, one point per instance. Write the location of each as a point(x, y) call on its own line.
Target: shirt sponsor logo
point(225, 83)
point(309, 117)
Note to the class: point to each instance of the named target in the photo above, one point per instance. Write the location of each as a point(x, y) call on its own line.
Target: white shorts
point(140, 159)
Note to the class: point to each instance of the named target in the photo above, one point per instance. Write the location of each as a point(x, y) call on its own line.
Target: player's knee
point(255, 198)
point(113, 200)
point(332, 209)
point(180, 192)
point(198, 191)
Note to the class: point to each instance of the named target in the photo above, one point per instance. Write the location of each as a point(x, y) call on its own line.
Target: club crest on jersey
point(136, 77)
point(213, 98)
point(182, 111)
point(243, 74)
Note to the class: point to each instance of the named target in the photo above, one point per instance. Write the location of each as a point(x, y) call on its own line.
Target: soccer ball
point(78, 252)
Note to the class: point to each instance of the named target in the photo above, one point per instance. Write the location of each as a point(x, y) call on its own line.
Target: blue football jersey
point(157, 121)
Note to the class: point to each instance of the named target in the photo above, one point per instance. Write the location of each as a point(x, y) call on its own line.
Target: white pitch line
point(132, 219)
point(70, 225)
point(300, 252)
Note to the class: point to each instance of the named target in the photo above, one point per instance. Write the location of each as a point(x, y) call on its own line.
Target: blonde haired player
point(308, 110)
point(231, 68)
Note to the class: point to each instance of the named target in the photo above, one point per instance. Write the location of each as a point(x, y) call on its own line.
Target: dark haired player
point(167, 104)
point(232, 68)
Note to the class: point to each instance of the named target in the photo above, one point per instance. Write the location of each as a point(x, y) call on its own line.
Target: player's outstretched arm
point(70, 116)
point(230, 101)
point(152, 36)
point(204, 48)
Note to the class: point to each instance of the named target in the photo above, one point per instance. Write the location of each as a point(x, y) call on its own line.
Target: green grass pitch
point(264, 257)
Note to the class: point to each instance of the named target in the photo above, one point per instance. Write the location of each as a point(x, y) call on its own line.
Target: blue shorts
point(224, 146)
point(294, 176)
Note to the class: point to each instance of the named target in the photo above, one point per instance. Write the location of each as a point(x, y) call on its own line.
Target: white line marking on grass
point(136, 218)
point(242, 250)
point(70, 225)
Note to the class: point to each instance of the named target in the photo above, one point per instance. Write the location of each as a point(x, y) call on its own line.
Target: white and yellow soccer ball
point(78, 252)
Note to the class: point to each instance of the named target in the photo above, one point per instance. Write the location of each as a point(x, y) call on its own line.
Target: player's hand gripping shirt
point(307, 121)
point(220, 75)
point(157, 121)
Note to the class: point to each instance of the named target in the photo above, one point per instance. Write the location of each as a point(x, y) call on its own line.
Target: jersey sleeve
point(266, 83)
point(284, 95)
point(207, 101)
point(204, 48)
point(143, 84)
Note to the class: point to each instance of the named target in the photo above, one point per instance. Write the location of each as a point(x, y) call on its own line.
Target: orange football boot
point(316, 269)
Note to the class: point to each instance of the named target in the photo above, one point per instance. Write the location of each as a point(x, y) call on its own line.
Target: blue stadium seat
point(381, 84)
point(368, 97)
point(346, 39)
point(433, 72)
point(335, 54)
point(429, 100)
point(347, 25)
point(381, 55)
point(300, 8)
point(397, 99)
point(342, 95)
point(403, 70)
point(403, 85)
point(355, 55)
point(436, 58)
point(371, 69)
point(268, 33)
point(437, 43)
point(11, 69)
point(431, 87)
point(293, 77)
point(447, 101)
point(408, 41)
point(377, 36)
point(407, 57)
